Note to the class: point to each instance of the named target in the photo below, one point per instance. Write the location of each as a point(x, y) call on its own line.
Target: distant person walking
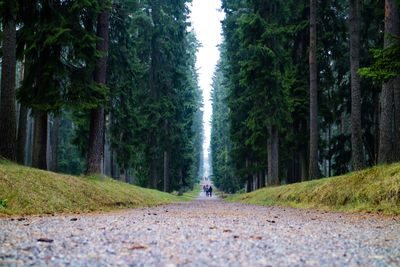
point(210, 189)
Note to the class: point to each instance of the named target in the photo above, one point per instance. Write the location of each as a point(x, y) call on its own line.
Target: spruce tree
point(8, 116)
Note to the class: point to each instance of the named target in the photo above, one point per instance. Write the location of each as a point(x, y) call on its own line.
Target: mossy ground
point(372, 190)
point(30, 191)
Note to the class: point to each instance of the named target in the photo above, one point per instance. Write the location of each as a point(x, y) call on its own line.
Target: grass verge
point(374, 190)
point(28, 191)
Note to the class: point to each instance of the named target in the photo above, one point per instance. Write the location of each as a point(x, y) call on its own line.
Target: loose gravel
point(204, 232)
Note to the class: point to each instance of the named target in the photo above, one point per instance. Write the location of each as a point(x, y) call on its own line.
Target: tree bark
point(29, 140)
point(329, 153)
point(180, 176)
point(21, 139)
point(255, 178)
point(262, 178)
point(396, 90)
point(39, 150)
point(8, 124)
point(22, 121)
point(112, 167)
point(96, 134)
point(154, 86)
point(303, 153)
point(313, 169)
point(386, 137)
point(166, 172)
point(357, 154)
point(377, 106)
point(396, 150)
point(166, 166)
point(153, 174)
point(54, 144)
point(48, 145)
point(273, 155)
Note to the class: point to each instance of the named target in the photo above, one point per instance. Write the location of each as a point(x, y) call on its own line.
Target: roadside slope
point(372, 190)
point(31, 191)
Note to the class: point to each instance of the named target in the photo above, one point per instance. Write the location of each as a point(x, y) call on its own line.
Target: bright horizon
point(206, 19)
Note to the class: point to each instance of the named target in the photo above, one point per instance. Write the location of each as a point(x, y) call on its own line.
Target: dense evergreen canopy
point(262, 114)
point(129, 98)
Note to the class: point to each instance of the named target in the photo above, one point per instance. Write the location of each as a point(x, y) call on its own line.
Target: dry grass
point(372, 190)
point(32, 191)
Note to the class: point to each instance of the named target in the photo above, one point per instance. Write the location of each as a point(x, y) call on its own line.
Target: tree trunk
point(357, 154)
point(303, 153)
point(96, 134)
point(313, 169)
point(291, 169)
point(180, 176)
point(255, 181)
point(396, 150)
point(23, 114)
point(21, 139)
point(273, 155)
point(29, 140)
point(166, 172)
point(330, 153)
point(377, 106)
point(396, 89)
point(95, 151)
point(8, 124)
point(263, 178)
point(105, 146)
point(112, 167)
point(39, 150)
point(154, 87)
point(166, 166)
point(54, 144)
point(249, 185)
point(48, 145)
point(153, 174)
point(386, 137)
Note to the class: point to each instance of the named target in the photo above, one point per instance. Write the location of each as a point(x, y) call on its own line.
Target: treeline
point(289, 102)
point(87, 84)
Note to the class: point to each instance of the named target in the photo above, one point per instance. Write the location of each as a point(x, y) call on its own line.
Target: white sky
point(206, 19)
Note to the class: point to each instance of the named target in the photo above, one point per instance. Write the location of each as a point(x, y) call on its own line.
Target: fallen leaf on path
point(47, 240)
point(227, 230)
point(256, 237)
point(138, 247)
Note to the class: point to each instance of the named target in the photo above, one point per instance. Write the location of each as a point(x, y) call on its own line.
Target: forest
point(304, 90)
point(91, 86)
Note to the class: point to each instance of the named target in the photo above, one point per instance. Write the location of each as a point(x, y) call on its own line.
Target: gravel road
point(204, 232)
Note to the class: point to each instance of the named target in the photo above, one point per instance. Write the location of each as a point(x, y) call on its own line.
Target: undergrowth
point(372, 190)
point(25, 190)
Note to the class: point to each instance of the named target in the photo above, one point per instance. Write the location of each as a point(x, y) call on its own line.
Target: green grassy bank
point(372, 190)
point(26, 191)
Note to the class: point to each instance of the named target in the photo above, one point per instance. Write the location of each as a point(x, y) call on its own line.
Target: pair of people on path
point(205, 188)
point(208, 190)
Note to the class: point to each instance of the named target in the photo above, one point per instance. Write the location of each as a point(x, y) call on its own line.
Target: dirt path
point(204, 232)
